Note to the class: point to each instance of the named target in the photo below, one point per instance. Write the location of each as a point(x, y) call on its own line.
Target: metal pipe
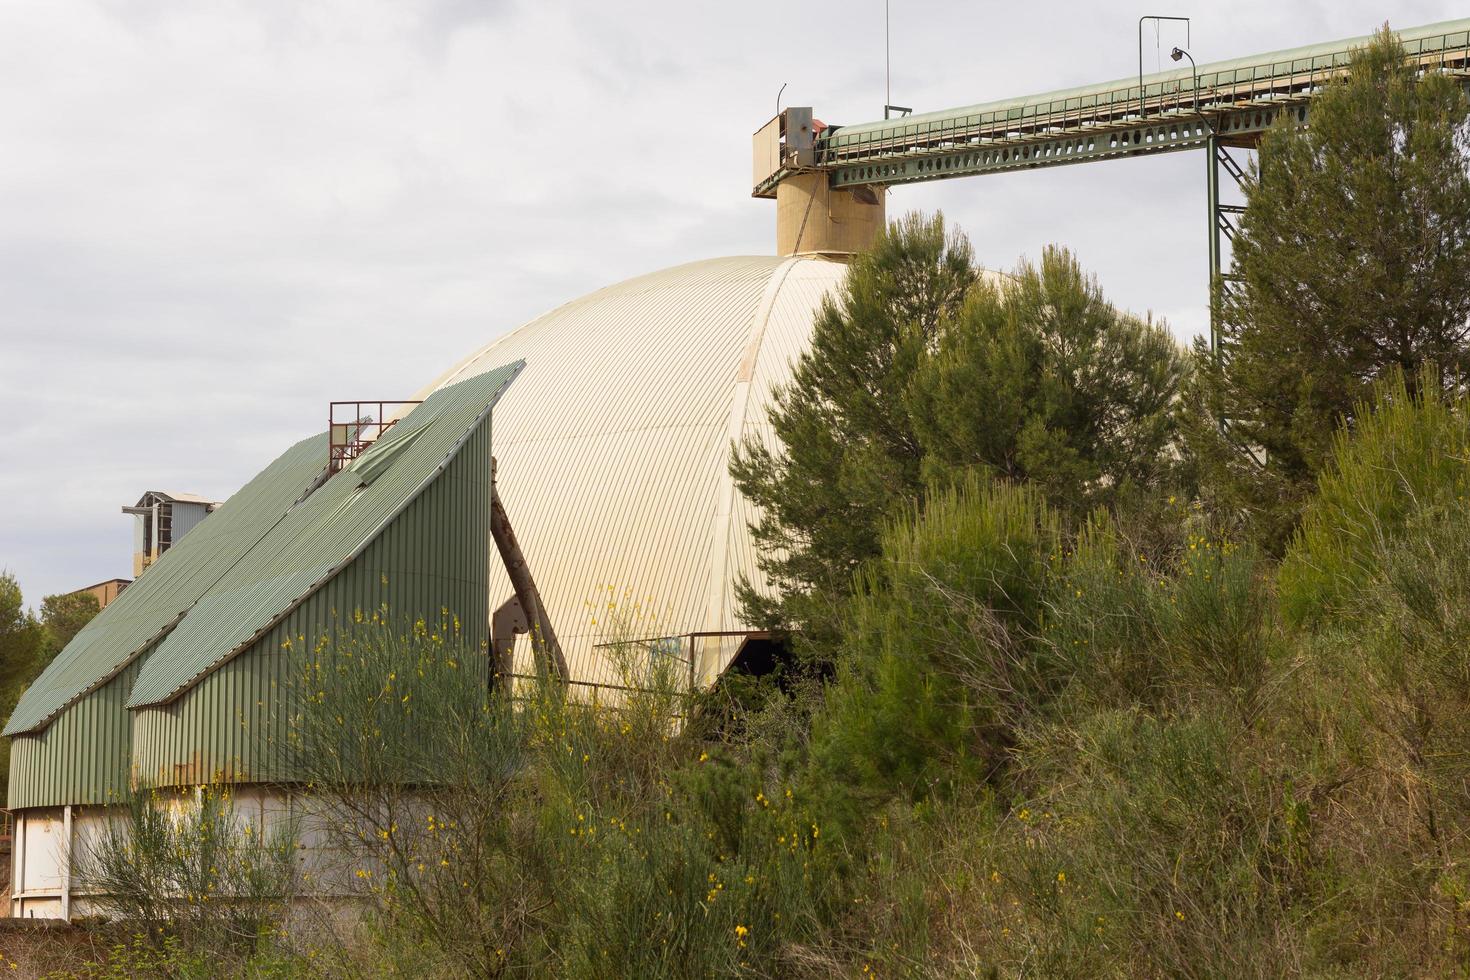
point(1188, 40)
point(1212, 204)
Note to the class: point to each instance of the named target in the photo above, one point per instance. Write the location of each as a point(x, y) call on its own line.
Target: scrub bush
point(195, 867)
point(1409, 452)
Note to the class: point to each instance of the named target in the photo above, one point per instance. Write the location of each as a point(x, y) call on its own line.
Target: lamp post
point(1153, 17)
point(1175, 55)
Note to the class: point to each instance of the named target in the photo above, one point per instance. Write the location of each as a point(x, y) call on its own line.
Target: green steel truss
point(1215, 107)
point(1172, 111)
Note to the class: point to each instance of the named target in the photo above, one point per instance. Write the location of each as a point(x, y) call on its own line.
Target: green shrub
point(940, 663)
point(1409, 450)
point(168, 863)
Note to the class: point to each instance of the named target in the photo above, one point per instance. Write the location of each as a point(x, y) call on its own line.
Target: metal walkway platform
point(1175, 110)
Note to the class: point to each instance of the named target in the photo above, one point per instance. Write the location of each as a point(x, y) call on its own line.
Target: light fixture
point(1175, 55)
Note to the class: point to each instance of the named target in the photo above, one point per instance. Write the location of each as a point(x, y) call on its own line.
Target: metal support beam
point(1212, 194)
point(1222, 222)
point(946, 159)
point(544, 645)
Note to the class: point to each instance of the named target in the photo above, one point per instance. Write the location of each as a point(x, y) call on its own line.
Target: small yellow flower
point(1179, 915)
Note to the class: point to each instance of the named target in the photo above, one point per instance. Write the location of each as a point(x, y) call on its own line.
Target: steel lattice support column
point(1212, 193)
point(1222, 223)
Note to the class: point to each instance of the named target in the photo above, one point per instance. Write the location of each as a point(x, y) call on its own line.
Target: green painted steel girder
point(1183, 132)
point(1170, 111)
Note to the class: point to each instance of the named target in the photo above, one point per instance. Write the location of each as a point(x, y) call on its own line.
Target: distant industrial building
point(161, 519)
point(105, 591)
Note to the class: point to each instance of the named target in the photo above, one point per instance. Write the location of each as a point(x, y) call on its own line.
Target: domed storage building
point(612, 422)
point(613, 448)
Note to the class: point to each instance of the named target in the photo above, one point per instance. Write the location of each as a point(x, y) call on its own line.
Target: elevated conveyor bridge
point(1213, 107)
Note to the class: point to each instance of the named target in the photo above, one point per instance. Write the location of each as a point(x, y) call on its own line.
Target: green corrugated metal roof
point(318, 537)
point(151, 605)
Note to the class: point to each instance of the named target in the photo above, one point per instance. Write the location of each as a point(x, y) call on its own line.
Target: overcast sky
point(215, 217)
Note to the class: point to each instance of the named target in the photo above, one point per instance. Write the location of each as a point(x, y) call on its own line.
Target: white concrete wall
point(45, 840)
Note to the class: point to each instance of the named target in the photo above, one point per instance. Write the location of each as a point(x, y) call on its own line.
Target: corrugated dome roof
point(613, 446)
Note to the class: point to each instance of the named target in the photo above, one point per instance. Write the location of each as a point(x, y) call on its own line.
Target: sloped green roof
point(318, 537)
point(184, 573)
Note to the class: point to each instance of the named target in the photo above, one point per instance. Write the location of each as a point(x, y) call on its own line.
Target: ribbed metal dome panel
point(614, 442)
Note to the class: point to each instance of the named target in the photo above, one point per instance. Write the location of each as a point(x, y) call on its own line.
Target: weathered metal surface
point(187, 515)
point(544, 645)
point(319, 537)
point(614, 446)
point(424, 498)
point(431, 560)
point(149, 607)
point(82, 756)
point(1173, 110)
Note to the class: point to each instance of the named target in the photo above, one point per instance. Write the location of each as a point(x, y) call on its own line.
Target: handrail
point(1120, 106)
point(1164, 98)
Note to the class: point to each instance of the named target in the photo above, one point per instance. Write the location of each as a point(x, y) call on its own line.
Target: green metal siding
point(435, 555)
point(149, 607)
point(82, 756)
point(318, 537)
point(423, 546)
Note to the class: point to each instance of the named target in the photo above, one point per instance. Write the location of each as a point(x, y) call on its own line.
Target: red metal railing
point(352, 426)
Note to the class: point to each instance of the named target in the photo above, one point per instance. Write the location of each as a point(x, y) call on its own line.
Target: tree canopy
point(925, 369)
point(1354, 259)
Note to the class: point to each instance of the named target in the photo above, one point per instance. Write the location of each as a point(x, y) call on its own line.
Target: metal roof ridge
point(517, 366)
point(151, 641)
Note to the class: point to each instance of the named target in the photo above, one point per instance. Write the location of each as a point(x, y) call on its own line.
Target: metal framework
point(650, 649)
point(1215, 107)
point(350, 435)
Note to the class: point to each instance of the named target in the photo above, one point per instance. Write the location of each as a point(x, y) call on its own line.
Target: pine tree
point(1354, 257)
point(848, 455)
point(1043, 380)
point(63, 616)
point(22, 640)
point(924, 374)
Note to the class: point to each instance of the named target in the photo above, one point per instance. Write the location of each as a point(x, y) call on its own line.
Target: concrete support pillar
point(813, 217)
